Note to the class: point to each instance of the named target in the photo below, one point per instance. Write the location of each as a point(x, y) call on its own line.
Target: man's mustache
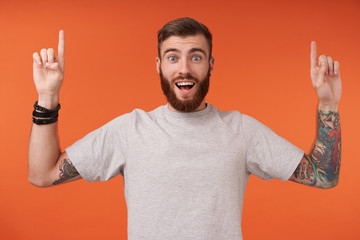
point(187, 76)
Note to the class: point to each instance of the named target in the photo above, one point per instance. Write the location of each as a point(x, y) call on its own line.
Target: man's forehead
point(185, 43)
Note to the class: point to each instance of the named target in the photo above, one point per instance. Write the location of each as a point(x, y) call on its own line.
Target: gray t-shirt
point(184, 173)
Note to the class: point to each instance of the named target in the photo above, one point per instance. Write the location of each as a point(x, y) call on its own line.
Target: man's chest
point(180, 157)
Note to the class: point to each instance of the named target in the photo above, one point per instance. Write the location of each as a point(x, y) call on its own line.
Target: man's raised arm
point(321, 167)
point(47, 165)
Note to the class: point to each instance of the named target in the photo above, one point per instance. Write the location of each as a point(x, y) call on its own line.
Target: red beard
point(185, 105)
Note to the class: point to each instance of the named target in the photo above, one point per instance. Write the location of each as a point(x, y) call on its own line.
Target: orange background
point(261, 51)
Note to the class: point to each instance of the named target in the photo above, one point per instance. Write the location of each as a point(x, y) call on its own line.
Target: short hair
point(184, 27)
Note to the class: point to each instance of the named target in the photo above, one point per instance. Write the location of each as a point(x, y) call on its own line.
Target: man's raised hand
point(325, 77)
point(48, 73)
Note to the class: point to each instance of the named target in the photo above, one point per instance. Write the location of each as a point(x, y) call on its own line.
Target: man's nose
point(184, 67)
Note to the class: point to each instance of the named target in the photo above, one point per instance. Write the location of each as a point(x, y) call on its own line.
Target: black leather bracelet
point(42, 109)
point(45, 114)
point(44, 121)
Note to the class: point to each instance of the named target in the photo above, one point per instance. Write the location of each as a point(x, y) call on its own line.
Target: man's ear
point(212, 61)
point(157, 64)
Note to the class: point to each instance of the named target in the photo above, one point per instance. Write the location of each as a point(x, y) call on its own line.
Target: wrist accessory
point(42, 109)
point(43, 115)
point(44, 121)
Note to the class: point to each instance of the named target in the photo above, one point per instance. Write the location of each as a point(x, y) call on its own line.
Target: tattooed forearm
point(326, 153)
point(305, 172)
point(67, 171)
point(321, 167)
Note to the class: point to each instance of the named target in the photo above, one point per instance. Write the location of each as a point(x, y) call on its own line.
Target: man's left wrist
point(326, 108)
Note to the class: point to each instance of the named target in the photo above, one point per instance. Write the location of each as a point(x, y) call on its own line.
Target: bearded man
point(185, 164)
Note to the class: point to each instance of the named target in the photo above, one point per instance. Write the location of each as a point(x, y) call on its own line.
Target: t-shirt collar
point(200, 113)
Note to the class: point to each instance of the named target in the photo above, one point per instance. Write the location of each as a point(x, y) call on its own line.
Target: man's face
point(185, 70)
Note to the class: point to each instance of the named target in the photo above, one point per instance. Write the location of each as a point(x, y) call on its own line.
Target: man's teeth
point(185, 84)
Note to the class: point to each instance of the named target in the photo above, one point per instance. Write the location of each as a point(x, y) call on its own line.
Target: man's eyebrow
point(171, 50)
point(198, 50)
point(191, 50)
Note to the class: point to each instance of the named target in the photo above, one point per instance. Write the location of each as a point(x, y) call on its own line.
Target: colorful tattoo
point(67, 171)
point(305, 172)
point(321, 168)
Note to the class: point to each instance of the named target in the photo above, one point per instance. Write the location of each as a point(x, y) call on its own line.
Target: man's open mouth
point(184, 85)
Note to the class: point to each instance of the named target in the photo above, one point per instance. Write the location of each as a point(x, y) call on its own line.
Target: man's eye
point(196, 58)
point(172, 58)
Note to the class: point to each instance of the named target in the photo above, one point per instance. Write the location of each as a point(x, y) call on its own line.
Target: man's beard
point(185, 105)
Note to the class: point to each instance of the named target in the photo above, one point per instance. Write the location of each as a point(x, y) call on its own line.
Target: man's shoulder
point(138, 113)
point(231, 114)
point(238, 117)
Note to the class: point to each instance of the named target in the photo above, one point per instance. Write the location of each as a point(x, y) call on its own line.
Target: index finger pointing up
point(61, 46)
point(313, 54)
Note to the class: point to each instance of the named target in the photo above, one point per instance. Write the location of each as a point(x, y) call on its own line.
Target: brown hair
point(183, 27)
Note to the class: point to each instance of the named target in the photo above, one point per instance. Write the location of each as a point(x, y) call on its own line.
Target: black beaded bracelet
point(42, 109)
point(45, 114)
point(44, 121)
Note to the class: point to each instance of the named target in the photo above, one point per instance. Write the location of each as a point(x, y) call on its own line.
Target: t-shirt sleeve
point(101, 154)
point(268, 155)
